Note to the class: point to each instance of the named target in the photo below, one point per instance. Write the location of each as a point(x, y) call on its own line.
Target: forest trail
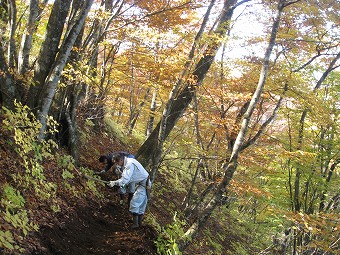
point(98, 230)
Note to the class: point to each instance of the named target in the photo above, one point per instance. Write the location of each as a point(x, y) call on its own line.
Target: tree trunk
point(137, 111)
point(328, 179)
point(297, 202)
point(187, 199)
point(68, 112)
point(230, 168)
point(93, 100)
point(176, 105)
point(72, 142)
point(48, 52)
point(200, 162)
point(12, 25)
point(58, 67)
point(7, 83)
point(27, 37)
point(73, 92)
point(150, 152)
point(153, 106)
point(191, 209)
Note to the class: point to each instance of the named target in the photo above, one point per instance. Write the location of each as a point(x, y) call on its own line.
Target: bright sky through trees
point(245, 26)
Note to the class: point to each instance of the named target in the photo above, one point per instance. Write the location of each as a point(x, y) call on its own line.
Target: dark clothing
point(109, 157)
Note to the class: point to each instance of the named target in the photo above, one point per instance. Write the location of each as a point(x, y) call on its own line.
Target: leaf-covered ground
point(83, 225)
point(97, 229)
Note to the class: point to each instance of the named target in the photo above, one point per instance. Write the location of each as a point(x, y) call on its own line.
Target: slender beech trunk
point(153, 106)
point(73, 92)
point(297, 201)
point(137, 111)
point(12, 25)
point(200, 161)
point(187, 199)
point(328, 179)
point(7, 83)
point(35, 9)
point(177, 105)
point(151, 150)
point(230, 168)
point(201, 164)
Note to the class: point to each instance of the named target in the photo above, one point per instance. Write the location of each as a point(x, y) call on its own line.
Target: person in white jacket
point(107, 163)
point(133, 173)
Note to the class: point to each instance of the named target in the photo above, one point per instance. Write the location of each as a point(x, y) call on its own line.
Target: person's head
point(103, 161)
point(118, 159)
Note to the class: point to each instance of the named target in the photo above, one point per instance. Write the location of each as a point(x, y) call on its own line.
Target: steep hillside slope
point(70, 224)
point(85, 217)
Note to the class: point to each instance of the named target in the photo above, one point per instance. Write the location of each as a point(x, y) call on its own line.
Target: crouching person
point(133, 173)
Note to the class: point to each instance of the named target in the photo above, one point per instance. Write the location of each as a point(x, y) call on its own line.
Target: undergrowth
point(30, 180)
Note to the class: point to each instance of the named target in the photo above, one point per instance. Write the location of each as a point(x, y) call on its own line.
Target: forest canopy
point(236, 100)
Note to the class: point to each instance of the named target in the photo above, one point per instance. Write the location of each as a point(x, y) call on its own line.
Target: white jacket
point(133, 171)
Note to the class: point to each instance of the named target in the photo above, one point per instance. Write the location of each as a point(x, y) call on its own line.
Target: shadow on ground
point(97, 230)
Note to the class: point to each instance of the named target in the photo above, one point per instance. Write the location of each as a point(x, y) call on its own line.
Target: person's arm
point(107, 168)
point(126, 177)
point(108, 165)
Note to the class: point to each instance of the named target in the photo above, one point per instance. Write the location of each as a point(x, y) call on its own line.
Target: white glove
point(118, 172)
point(113, 183)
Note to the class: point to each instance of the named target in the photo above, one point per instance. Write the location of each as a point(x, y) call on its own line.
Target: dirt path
point(93, 230)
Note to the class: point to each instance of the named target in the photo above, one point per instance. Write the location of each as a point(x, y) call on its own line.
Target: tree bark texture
point(12, 25)
point(151, 119)
point(58, 67)
point(69, 103)
point(27, 37)
point(48, 51)
point(7, 83)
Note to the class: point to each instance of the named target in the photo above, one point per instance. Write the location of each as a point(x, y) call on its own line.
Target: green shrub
point(166, 240)
point(15, 215)
point(23, 129)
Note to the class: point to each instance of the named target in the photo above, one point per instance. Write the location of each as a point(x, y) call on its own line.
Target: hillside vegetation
point(48, 207)
point(232, 106)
